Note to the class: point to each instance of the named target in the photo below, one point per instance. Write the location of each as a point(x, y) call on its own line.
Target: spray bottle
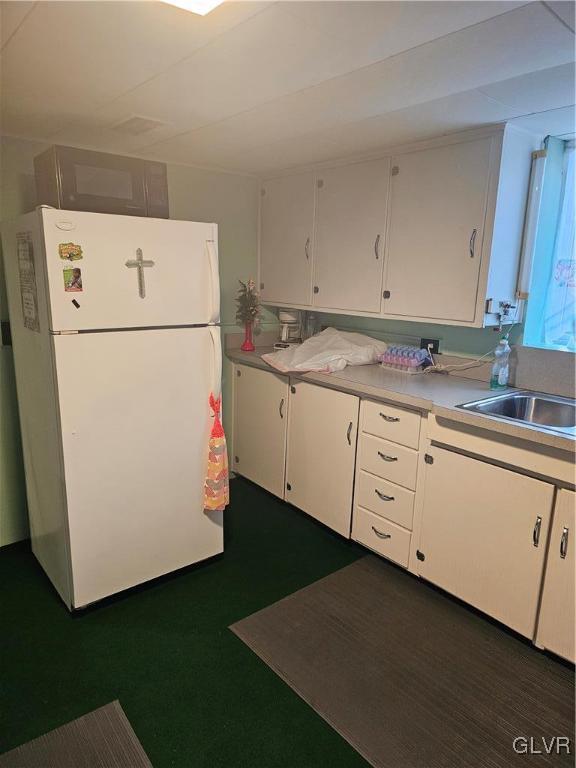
point(501, 368)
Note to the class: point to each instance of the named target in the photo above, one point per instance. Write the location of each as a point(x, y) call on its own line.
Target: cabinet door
point(286, 220)
point(556, 622)
point(322, 432)
point(260, 419)
point(438, 205)
point(483, 537)
point(349, 241)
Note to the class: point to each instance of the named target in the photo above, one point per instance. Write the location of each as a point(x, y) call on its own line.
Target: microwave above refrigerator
point(84, 180)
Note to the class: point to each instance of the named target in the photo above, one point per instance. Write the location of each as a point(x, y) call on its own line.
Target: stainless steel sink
point(547, 412)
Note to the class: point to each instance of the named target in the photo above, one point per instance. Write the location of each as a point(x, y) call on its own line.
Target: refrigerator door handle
point(217, 364)
point(214, 281)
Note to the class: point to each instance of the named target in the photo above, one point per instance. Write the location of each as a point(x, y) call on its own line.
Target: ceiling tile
point(387, 28)
point(536, 91)
point(462, 62)
point(260, 87)
point(70, 57)
point(564, 9)
point(554, 122)
point(11, 16)
point(272, 55)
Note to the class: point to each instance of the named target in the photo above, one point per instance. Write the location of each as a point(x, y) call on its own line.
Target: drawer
point(388, 460)
point(390, 422)
point(385, 498)
point(381, 535)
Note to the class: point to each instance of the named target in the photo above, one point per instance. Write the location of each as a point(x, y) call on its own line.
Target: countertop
point(432, 392)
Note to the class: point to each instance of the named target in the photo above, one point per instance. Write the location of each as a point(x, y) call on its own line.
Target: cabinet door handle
point(536, 531)
point(389, 418)
point(381, 535)
point(472, 242)
point(387, 458)
point(307, 248)
point(281, 408)
point(564, 543)
point(348, 433)
point(377, 246)
point(383, 495)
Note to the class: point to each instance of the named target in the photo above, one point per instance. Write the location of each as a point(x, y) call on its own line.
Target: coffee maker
point(290, 328)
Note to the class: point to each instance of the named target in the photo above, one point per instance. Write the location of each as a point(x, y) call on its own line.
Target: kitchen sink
point(547, 412)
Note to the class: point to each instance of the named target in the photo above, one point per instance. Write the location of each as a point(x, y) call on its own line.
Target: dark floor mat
point(101, 739)
point(412, 678)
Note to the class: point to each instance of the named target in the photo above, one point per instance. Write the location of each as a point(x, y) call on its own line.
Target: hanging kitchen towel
point(216, 491)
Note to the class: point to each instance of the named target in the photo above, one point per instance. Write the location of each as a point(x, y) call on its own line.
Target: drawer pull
point(390, 419)
point(383, 495)
point(381, 535)
point(564, 543)
point(387, 458)
point(536, 531)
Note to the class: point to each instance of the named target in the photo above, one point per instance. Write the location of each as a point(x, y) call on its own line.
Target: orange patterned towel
point(216, 491)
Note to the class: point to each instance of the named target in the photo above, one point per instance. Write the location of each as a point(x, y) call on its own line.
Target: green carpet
point(193, 692)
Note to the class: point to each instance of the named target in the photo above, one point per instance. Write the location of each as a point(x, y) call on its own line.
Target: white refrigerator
point(117, 349)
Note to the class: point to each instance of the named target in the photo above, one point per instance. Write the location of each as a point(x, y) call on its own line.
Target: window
point(551, 314)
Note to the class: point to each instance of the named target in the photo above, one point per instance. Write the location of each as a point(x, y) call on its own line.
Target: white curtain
point(560, 310)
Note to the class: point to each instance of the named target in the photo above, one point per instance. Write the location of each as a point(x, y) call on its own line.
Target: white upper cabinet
point(433, 234)
point(350, 230)
point(286, 233)
point(438, 205)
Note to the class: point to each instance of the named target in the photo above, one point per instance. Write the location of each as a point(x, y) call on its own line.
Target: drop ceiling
point(257, 87)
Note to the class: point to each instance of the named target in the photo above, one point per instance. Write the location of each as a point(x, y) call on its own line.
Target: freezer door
point(107, 271)
point(135, 426)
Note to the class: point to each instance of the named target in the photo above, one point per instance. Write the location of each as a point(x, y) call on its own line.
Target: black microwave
point(83, 180)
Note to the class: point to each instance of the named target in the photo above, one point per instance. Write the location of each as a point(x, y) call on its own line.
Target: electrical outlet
point(432, 344)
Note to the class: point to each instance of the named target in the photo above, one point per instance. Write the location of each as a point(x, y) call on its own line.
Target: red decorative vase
point(248, 345)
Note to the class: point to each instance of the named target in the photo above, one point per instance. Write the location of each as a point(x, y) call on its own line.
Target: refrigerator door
point(135, 424)
point(106, 271)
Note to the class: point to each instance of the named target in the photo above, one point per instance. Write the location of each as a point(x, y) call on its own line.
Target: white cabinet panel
point(260, 419)
point(384, 498)
point(391, 423)
point(286, 231)
point(322, 432)
point(483, 537)
point(391, 461)
point(556, 622)
point(434, 248)
point(381, 535)
point(349, 241)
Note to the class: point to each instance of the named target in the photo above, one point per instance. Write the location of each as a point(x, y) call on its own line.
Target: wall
point(196, 195)
point(17, 195)
point(453, 340)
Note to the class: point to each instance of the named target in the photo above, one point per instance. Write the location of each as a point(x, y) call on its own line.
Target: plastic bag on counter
point(329, 351)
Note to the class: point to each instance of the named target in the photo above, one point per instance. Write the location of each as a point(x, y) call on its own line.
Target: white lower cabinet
point(483, 536)
point(386, 479)
point(322, 429)
point(260, 419)
point(383, 536)
point(556, 621)
point(477, 530)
